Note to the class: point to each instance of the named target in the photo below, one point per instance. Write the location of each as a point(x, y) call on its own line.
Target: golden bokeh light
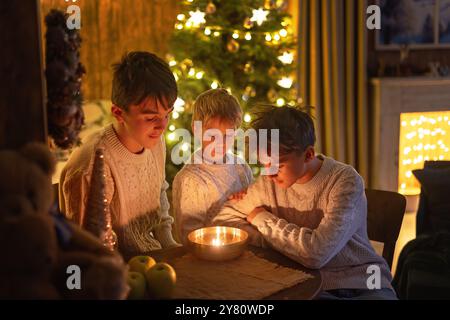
point(424, 136)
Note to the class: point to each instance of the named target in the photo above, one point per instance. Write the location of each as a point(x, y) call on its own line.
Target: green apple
point(141, 264)
point(137, 284)
point(161, 279)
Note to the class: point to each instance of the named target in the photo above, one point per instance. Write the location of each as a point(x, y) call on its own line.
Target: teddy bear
point(25, 180)
point(38, 245)
point(28, 247)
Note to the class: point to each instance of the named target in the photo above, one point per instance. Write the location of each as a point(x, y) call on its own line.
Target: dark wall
point(109, 28)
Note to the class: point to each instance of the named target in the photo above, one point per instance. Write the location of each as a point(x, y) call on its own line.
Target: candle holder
point(218, 243)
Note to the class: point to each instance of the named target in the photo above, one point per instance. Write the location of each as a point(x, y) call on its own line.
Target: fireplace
point(410, 125)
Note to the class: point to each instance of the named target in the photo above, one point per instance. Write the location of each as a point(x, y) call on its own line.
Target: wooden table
point(306, 290)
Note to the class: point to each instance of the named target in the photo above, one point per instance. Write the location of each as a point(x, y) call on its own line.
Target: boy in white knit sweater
point(143, 93)
point(201, 187)
point(313, 209)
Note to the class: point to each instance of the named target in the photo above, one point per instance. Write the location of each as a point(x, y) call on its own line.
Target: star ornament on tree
point(197, 17)
point(259, 16)
point(286, 58)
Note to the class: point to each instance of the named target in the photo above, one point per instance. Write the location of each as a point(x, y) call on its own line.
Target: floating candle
point(218, 243)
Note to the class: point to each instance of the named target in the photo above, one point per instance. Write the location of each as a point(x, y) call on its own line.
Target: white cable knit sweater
point(200, 190)
point(321, 224)
point(135, 189)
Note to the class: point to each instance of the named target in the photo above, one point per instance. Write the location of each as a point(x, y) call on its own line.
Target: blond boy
point(214, 174)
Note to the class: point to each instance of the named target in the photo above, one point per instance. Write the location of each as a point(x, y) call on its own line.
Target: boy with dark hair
point(313, 210)
point(143, 93)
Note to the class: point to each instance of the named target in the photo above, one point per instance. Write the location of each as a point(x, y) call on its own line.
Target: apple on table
point(141, 264)
point(161, 280)
point(137, 283)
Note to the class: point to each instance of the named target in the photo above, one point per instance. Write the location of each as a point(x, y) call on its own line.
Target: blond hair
point(217, 103)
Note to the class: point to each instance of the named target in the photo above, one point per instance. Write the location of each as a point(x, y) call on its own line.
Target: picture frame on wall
point(418, 24)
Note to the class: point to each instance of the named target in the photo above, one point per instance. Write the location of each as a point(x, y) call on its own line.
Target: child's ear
point(117, 113)
point(309, 154)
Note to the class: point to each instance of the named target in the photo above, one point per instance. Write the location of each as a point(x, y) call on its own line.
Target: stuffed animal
point(37, 247)
point(25, 180)
point(29, 251)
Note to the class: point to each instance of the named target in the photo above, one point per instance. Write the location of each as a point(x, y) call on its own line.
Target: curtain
point(333, 79)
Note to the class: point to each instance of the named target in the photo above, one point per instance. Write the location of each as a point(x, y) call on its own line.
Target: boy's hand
point(238, 195)
point(254, 213)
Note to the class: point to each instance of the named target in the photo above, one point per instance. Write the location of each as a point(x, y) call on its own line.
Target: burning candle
point(218, 243)
point(222, 236)
point(216, 240)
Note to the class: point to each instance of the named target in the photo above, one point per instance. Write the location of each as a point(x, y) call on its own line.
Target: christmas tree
point(245, 46)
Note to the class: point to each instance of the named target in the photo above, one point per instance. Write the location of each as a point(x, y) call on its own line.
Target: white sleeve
point(315, 248)
point(234, 212)
point(189, 203)
point(163, 232)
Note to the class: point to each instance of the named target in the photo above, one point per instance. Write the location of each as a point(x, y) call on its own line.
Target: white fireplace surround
point(390, 98)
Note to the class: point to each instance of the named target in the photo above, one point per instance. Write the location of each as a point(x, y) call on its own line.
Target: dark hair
point(140, 75)
point(296, 126)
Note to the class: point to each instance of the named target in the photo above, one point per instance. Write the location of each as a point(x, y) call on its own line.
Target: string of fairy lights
point(196, 20)
point(423, 137)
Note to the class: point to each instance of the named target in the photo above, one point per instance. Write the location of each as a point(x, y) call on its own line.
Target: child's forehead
point(153, 105)
point(217, 121)
point(283, 158)
point(265, 155)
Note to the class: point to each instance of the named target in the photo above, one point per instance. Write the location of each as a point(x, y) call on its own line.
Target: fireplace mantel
point(390, 98)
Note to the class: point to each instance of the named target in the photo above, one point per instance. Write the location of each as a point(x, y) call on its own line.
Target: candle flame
point(220, 234)
point(217, 242)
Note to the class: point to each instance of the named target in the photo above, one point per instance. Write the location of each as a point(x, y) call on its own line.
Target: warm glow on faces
point(142, 125)
point(291, 168)
point(227, 137)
